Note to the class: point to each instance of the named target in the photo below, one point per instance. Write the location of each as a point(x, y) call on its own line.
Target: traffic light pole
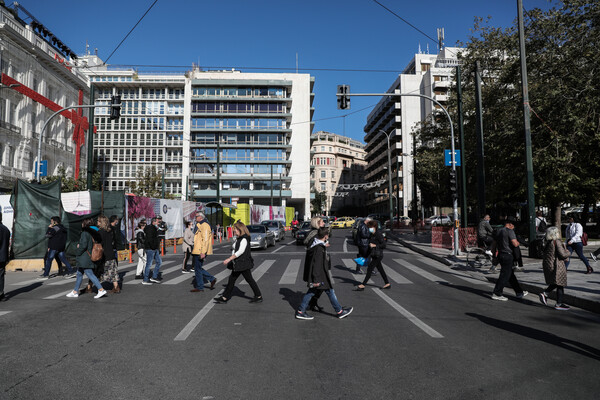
point(345, 93)
point(39, 155)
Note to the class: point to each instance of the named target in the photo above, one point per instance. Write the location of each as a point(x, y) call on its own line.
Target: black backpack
point(542, 226)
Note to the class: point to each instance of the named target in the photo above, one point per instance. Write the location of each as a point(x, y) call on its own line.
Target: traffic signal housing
point(115, 107)
point(343, 100)
point(453, 185)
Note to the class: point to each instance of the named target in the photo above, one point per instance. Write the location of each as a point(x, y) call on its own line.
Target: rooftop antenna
point(440, 34)
point(427, 48)
point(419, 52)
point(87, 48)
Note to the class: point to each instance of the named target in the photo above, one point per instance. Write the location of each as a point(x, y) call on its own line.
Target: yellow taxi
point(344, 222)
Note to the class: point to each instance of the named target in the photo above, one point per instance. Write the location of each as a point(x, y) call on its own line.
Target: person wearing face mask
point(376, 244)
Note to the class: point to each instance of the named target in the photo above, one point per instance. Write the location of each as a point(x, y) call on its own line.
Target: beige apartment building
point(338, 160)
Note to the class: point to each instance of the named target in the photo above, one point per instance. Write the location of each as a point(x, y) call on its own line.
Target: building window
point(322, 187)
point(323, 174)
point(332, 174)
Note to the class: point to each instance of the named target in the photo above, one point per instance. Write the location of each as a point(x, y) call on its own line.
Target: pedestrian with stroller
point(555, 272)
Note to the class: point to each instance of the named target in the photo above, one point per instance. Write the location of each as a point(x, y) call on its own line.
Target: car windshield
point(270, 224)
point(256, 228)
point(305, 225)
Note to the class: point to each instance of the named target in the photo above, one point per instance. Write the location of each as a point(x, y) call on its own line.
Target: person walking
point(85, 265)
point(4, 244)
point(140, 238)
point(376, 244)
point(573, 235)
point(506, 240)
point(162, 232)
point(152, 252)
point(240, 263)
point(188, 245)
point(315, 223)
point(57, 242)
point(111, 273)
point(485, 234)
point(555, 272)
point(362, 241)
point(316, 274)
point(202, 248)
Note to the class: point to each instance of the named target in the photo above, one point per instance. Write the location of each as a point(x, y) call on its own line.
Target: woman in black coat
point(376, 244)
point(241, 264)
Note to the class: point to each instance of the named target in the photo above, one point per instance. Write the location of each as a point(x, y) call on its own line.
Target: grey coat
point(555, 254)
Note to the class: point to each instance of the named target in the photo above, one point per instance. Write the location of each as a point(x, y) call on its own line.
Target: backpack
point(97, 251)
point(542, 226)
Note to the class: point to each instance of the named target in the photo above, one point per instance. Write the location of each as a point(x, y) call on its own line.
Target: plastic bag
point(360, 261)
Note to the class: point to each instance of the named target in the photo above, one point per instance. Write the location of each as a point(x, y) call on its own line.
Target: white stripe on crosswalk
point(184, 277)
point(56, 296)
point(395, 276)
point(162, 271)
point(260, 271)
point(4, 313)
point(185, 332)
point(351, 265)
point(420, 271)
point(291, 273)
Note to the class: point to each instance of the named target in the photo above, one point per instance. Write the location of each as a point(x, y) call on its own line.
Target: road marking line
point(56, 296)
point(351, 265)
point(277, 249)
point(345, 246)
point(184, 277)
point(260, 271)
point(422, 325)
point(420, 271)
point(187, 330)
point(395, 276)
point(291, 273)
point(162, 272)
point(4, 313)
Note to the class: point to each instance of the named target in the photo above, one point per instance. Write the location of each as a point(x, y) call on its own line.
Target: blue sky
point(266, 35)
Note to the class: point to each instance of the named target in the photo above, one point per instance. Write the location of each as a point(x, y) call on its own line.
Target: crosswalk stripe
point(395, 276)
point(4, 313)
point(351, 265)
point(260, 271)
point(184, 277)
point(56, 296)
point(162, 271)
point(291, 273)
point(420, 271)
point(187, 330)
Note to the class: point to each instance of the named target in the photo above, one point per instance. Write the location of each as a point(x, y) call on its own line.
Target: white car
point(437, 220)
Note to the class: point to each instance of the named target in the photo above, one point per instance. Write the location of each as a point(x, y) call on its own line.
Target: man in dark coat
point(316, 274)
point(57, 241)
point(4, 243)
point(152, 253)
point(362, 241)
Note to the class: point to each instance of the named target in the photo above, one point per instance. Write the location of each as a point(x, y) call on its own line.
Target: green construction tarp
point(33, 204)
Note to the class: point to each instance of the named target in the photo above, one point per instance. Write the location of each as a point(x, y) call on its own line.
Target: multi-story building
point(339, 160)
point(38, 78)
point(426, 74)
point(218, 135)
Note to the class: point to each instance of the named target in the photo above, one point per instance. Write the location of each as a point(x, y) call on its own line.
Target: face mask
point(372, 230)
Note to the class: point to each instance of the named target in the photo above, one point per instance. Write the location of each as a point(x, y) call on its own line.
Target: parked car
point(276, 227)
point(398, 222)
point(260, 237)
point(343, 222)
point(302, 232)
point(437, 220)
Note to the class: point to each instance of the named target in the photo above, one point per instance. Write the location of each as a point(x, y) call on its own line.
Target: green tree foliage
point(563, 71)
point(318, 203)
point(70, 184)
point(149, 183)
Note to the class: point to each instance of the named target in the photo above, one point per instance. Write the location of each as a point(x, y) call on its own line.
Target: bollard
point(162, 247)
point(130, 255)
point(174, 245)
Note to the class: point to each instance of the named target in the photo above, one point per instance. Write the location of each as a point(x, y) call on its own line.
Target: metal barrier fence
point(442, 237)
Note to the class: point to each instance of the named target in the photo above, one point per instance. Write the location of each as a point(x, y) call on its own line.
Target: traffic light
point(115, 107)
point(343, 100)
point(453, 186)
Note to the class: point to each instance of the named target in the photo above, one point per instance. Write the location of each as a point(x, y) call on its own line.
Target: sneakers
point(69, 276)
point(139, 277)
point(101, 293)
point(563, 307)
point(593, 257)
point(518, 269)
point(43, 278)
point(185, 271)
point(493, 270)
point(544, 298)
point(146, 283)
point(154, 280)
point(488, 252)
point(72, 294)
point(345, 312)
point(303, 315)
point(500, 298)
point(521, 295)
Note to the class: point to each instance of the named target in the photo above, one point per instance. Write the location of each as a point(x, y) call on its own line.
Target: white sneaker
point(501, 298)
point(101, 293)
point(488, 252)
point(521, 295)
point(593, 257)
point(72, 294)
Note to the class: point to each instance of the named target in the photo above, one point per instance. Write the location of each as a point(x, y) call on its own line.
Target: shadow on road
point(540, 335)
point(23, 289)
point(292, 297)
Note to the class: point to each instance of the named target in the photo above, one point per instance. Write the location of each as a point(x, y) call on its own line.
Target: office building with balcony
point(223, 136)
point(398, 117)
point(339, 160)
point(38, 78)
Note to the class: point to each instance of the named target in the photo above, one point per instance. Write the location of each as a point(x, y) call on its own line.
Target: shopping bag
point(360, 261)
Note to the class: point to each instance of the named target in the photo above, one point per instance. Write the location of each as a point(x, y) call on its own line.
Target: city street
point(435, 335)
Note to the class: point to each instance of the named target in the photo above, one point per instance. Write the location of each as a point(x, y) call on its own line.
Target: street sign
point(448, 158)
point(43, 168)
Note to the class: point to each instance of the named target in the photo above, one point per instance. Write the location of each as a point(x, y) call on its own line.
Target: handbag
point(584, 239)
point(230, 265)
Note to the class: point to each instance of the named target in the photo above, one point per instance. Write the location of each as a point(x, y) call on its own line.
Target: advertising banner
point(79, 203)
point(264, 213)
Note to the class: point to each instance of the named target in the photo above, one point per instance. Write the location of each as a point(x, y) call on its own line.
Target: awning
point(222, 205)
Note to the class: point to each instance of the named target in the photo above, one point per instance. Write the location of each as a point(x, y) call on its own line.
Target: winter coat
point(117, 237)
point(244, 261)
point(152, 240)
point(108, 243)
point(188, 240)
point(140, 238)
point(363, 235)
point(379, 242)
point(57, 237)
point(162, 229)
point(555, 254)
point(316, 267)
point(203, 238)
point(310, 238)
point(84, 249)
point(484, 229)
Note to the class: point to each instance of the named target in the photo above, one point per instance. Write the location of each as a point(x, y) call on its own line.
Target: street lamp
point(387, 135)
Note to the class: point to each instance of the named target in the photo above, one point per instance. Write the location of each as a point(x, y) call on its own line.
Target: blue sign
point(448, 158)
point(43, 169)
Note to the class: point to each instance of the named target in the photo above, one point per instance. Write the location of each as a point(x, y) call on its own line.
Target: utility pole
point(461, 135)
point(526, 123)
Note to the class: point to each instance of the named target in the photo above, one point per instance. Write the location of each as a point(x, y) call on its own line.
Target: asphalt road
point(435, 335)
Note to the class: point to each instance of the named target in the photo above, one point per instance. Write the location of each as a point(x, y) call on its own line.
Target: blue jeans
point(312, 291)
point(90, 274)
point(200, 273)
point(578, 247)
point(151, 255)
point(62, 258)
